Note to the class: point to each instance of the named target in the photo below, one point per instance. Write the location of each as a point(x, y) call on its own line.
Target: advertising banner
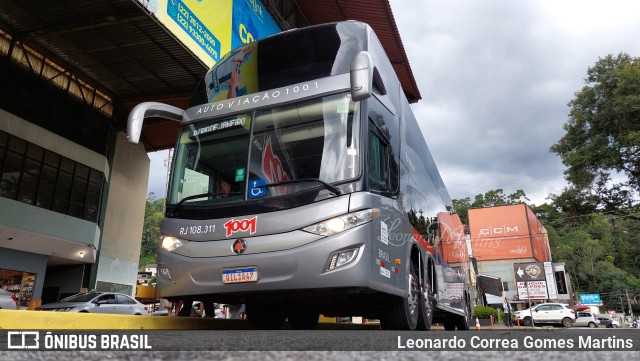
point(531, 281)
point(454, 245)
point(212, 28)
point(592, 299)
point(500, 233)
point(532, 290)
point(551, 280)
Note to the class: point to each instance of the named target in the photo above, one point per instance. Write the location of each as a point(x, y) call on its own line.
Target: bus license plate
point(240, 275)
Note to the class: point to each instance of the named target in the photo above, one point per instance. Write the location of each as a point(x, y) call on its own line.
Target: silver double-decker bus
point(301, 185)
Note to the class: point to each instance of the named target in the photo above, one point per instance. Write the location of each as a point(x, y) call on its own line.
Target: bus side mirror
point(148, 110)
point(361, 72)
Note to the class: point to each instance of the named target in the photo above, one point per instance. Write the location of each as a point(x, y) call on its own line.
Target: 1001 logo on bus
point(236, 225)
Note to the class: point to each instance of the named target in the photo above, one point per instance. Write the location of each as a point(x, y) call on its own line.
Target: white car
point(7, 300)
point(547, 313)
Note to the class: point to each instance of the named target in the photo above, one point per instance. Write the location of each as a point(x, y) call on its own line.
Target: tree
point(494, 197)
point(153, 215)
point(601, 147)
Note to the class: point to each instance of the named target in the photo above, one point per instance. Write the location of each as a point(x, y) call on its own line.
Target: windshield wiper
point(333, 189)
point(208, 194)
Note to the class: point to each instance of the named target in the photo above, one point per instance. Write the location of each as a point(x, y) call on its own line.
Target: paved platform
point(41, 320)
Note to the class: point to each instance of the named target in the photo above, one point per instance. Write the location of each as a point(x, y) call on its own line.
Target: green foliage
point(602, 137)
point(484, 312)
point(601, 251)
point(495, 197)
point(154, 212)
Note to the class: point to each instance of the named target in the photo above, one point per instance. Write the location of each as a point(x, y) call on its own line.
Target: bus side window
point(383, 166)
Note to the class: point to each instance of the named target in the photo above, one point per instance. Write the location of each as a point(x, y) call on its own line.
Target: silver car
point(585, 319)
point(7, 300)
point(97, 302)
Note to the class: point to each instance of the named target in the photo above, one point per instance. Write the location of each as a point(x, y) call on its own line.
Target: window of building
point(34, 175)
point(561, 283)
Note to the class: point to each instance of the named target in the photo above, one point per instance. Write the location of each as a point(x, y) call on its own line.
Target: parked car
point(586, 319)
point(7, 300)
point(608, 322)
point(97, 302)
point(548, 313)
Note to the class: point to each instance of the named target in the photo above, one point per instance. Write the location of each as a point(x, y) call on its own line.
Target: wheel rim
point(413, 297)
point(427, 302)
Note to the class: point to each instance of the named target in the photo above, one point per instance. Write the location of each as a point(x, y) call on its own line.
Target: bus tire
point(265, 316)
point(402, 313)
point(462, 322)
point(303, 319)
point(425, 314)
point(449, 324)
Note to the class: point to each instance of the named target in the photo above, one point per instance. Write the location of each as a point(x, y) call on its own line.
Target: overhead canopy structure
point(122, 51)
point(490, 284)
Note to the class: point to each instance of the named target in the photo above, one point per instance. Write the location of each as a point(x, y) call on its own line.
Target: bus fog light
point(341, 258)
point(163, 272)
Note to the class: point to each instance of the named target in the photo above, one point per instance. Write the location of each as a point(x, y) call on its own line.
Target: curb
point(41, 320)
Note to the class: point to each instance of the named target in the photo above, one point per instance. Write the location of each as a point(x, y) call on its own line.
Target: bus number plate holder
point(240, 275)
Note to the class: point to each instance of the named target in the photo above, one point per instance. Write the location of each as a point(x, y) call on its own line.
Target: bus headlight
point(170, 243)
point(342, 223)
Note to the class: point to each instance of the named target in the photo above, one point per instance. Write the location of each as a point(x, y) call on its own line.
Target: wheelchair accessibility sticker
point(257, 188)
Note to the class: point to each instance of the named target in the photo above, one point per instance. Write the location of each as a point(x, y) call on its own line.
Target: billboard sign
point(532, 271)
point(500, 233)
point(531, 280)
point(532, 290)
point(212, 28)
point(551, 280)
point(590, 299)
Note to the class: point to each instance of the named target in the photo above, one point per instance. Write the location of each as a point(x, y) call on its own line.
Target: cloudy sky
point(495, 78)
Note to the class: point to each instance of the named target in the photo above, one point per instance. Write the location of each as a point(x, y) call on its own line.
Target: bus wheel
point(462, 323)
point(425, 314)
point(303, 319)
point(402, 313)
point(265, 316)
point(449, 325)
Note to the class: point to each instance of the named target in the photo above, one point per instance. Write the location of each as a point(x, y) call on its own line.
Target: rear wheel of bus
point(425, 314)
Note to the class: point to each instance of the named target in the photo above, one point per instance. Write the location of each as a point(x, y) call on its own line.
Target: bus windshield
point(237, 158)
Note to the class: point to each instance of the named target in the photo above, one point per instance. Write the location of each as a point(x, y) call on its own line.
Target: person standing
point(506, 306)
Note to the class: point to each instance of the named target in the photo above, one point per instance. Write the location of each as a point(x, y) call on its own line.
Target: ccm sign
point(498, 230)
point(236, 225)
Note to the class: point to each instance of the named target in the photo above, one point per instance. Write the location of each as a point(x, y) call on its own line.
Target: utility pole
point(626, 291)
